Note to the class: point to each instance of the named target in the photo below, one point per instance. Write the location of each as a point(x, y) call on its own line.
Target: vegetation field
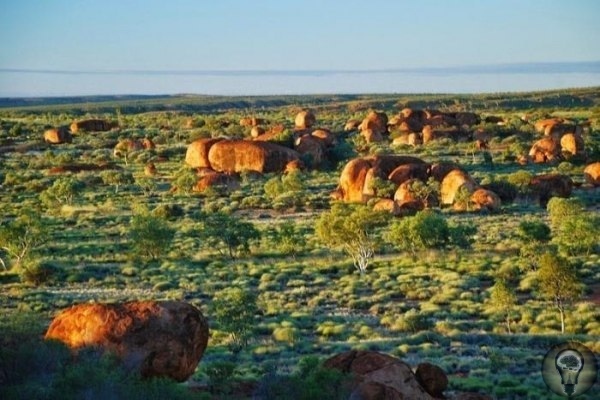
point(269, 261)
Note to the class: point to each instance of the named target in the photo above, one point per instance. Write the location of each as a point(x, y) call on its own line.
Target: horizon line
point(513, 68)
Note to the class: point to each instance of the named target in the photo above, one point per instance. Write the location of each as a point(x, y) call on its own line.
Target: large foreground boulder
point(243, 155)
point(379, 376)
point(165, 338)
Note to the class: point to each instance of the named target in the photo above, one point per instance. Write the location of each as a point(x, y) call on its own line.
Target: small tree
point(185, 179)
point(116, 178)
point(558, 283)
point(560, 209)
point(288, 238)
point(503, 299)
point(352, 229)
point(150, 235)
point(534, 236)
point(234, 310)
point(227, 233)
point(428, 229)
point(579, 234)
point(22, 236)
point(62, 191)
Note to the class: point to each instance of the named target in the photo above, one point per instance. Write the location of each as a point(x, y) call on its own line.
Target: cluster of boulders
point(126, 146)
point(165, 338)
point(218, 160)
point(63, 134)
point(359, 178)
point(561, 139)
point(378, 376)
point(415, 127)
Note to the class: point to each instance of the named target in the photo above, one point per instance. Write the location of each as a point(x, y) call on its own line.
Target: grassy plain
point(429, 306)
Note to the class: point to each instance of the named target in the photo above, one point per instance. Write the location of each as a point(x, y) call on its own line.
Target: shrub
point(234, 310)
point(150, 235)
point(227, 233)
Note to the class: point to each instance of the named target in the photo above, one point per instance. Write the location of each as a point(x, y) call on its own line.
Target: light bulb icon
point(569, 364)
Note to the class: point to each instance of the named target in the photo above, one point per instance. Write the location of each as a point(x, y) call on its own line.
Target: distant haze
point(236, 47)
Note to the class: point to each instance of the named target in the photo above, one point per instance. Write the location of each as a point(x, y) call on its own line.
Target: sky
point(63, 47)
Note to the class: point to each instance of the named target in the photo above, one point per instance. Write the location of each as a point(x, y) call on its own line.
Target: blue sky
point(185, 35)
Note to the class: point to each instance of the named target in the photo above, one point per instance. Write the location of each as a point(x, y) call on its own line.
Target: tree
point(116, 178)
point(534, 236)
point(352, 228)
point(62, 191)
point(227, 233)
point(503, 299)
point(560, 209)
point(150, 235)
point(578, 233)
point(428, 229)
point(22, 236)
point(234, 310)
point(288, 238)
point(185, 179)
point(558, 283)
point(575, 229)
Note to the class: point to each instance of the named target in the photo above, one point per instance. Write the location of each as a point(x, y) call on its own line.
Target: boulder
point(494, 119)
point(326, 136)
point(196, 155)
point(127, 146)
point(92, 125)
point(293, 166)
point(371, 135)
point(378, 376)
point(454, 181)
point(484, 199)
point(404, 194)
point(467, 118)
point(358, 173)
point(428, 134)
point(438, 171)
point(304, 120)
point(592, 173)
point(165, 339)
point(251, 121)
point(352, 180)
point(313, 147)
point(409, 171)
point(550, 185)
point(414, 139)
point(376, 121)
point(257, 131)
point(558, 130)
point(351, 125)
point(148, 144)
point(572, 144)
point(387, 205)
point(432, 378)
point(217, 180)
point(544, 150)
point(541, 125)
point(150, 169)
point(242, 155)
point(58, 135)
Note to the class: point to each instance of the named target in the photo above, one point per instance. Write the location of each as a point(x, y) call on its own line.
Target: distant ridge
point(516, 68)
